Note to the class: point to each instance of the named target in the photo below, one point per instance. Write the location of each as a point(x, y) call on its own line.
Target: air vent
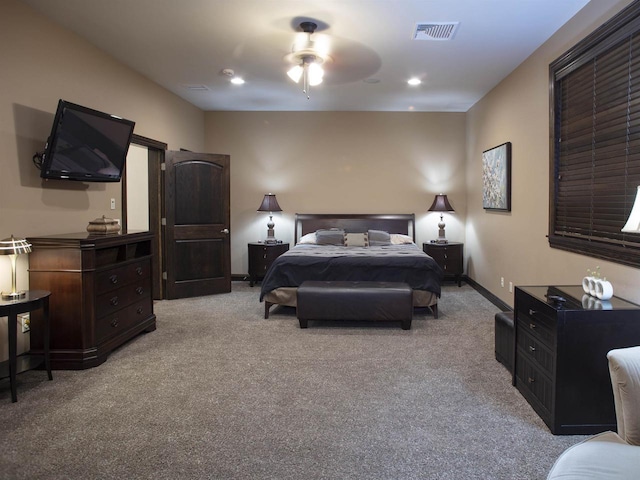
point(196, 88)
point(438, 31)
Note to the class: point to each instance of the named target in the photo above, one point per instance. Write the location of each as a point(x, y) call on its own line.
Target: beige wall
point(40, 63)
point(339, 162)
point(514, 245)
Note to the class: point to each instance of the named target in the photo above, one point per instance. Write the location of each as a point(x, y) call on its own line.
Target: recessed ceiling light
point(237, 81)
point(414, 81)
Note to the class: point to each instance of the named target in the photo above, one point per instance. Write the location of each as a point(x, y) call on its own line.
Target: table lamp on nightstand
point(270, 204)
point(441, 204)
point(13, 247)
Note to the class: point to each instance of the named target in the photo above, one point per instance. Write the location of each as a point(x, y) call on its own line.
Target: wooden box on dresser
point(100, 293)
point(562, 337)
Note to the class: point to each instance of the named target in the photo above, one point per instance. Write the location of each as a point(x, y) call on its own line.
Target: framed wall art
point(496, 178)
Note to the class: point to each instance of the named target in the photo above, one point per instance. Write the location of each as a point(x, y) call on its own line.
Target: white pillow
point(399, 239)
point(309, 238)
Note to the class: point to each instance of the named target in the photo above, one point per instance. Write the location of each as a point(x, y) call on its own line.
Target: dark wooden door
point(197, 238)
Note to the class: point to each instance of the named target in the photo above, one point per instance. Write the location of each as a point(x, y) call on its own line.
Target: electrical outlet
point(25, 321)
point(510, 287)
point(113, 204)
point(502, 282)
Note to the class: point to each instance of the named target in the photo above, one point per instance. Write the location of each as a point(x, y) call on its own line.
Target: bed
point(329, 247)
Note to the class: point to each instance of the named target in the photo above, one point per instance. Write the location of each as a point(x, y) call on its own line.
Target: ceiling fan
point(307, 56)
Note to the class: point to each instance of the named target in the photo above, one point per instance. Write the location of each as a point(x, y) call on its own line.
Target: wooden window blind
point(595, 133)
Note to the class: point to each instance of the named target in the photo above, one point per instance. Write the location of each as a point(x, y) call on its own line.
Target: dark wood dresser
point(100, 294)
point(561, 347)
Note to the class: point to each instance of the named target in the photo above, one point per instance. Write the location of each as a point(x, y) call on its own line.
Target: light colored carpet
point(218, 392)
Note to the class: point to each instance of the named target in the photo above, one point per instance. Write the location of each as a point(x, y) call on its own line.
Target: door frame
point(155, 158)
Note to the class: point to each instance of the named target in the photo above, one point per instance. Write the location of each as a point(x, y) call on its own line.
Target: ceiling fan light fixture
point(307, 57)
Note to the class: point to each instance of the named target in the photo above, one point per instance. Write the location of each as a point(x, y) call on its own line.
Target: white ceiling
point(177, 43)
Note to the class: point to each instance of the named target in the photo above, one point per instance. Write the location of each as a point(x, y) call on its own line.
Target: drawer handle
point(264, 256)
point(139, 270)
point(139, 290)
point(114, 301)
point(532, 348)
point(532, 312)
point(531, 380)
point(113, 279)
point(139, 310)
point(532, 326)
point(114, 322)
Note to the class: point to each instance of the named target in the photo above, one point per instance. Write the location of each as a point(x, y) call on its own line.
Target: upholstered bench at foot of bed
point(378, 301)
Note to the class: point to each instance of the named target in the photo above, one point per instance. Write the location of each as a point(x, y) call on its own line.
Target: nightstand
point(33, 300)
point(261, 256)
point(448, 256)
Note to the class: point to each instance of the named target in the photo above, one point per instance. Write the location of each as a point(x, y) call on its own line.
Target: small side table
point(448, 256)
point(261, 256)
point(33, 300)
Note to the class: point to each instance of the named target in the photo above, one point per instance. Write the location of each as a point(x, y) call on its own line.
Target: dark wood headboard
point(404, 223)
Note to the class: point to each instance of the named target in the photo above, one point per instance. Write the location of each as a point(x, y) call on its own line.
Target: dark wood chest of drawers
point(100, 294)
point(561, 350)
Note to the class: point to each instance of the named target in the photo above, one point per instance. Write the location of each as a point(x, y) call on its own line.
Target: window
point(595, 133)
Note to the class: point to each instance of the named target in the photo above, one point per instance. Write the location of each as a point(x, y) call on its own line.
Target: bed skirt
point(287, 296)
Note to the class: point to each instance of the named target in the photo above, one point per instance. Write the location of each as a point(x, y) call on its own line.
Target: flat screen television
point(86, 145)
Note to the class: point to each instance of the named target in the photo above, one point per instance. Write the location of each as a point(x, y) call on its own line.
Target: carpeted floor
point(218, 392)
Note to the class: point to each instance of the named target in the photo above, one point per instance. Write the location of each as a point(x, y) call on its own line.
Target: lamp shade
point(269, 204)
point(441, 204)
point(14, 246)
point(633, 223)
point(295, 73)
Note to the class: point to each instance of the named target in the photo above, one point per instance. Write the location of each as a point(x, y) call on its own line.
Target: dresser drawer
point(123, 319)
point(540, 330)
point(534, 351)
point(535, 384)
point(438, 254)
point(117, 299)
point(538, 319)
point(114, 278)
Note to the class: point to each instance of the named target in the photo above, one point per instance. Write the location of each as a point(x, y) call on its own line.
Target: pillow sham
point(356, 239)
point(378, 238)
point(400, 239)
point(309, 238)
point(330, 237)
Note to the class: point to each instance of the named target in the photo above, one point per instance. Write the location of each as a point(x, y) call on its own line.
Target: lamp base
point(13, 295)
point(270, 241)
point(441, 237)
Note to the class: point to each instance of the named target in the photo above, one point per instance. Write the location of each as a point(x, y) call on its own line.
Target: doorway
point(188, 205)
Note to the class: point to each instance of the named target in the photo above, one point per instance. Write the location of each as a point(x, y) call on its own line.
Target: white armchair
point(609, 455)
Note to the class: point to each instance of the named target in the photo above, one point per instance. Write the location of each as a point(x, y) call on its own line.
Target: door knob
point(224, 230)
